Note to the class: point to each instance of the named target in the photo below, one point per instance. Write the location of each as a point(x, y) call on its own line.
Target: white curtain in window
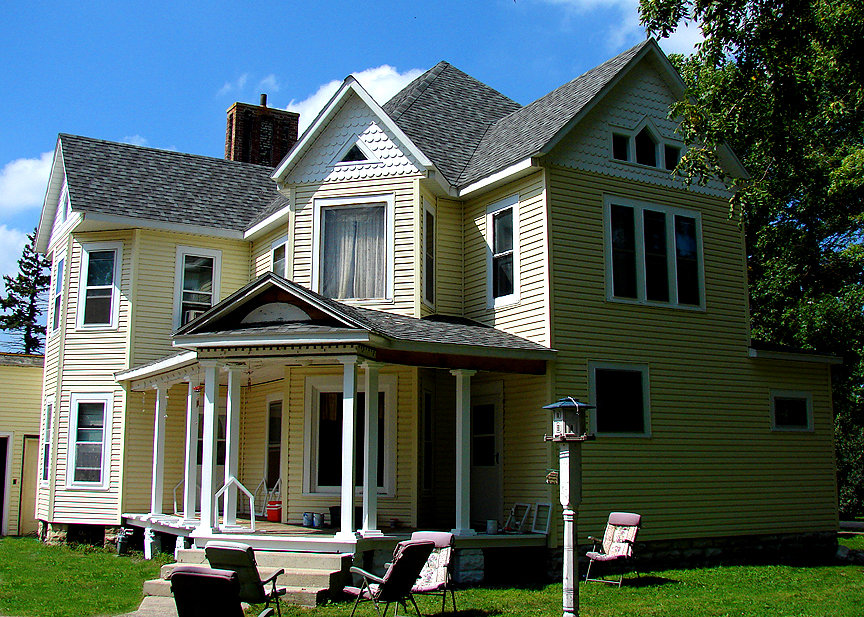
point(354, 252)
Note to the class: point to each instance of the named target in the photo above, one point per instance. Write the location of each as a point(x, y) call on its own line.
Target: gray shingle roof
point(469, 130)
point(445, 113)
point(160, 185)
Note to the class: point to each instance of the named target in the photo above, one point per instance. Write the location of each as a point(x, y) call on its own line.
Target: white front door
point(486, 414)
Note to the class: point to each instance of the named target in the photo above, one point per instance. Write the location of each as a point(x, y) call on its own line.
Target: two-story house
point(217, 327)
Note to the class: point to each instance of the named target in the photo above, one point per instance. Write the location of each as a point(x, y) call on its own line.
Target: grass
point(68, 581)
point(46, 581)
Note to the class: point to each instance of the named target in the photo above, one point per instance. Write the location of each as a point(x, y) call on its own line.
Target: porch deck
point(288, 537)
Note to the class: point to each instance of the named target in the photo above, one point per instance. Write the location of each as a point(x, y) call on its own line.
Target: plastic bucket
point(274, 511)
point(307, 519)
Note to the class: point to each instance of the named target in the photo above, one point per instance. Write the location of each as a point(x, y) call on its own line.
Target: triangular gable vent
point(355, 152)
point(354, 155)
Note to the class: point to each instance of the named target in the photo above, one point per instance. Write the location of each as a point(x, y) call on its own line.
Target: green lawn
point(59, 581)
point(42, 581)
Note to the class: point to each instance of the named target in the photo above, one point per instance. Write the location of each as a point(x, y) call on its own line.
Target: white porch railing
point(177, 512)
point(234, 481)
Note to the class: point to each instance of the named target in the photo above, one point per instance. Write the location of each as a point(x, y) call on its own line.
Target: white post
point(232, 443)
point(370, 459)
point(208, 454)
point(570, 495)
point(158, 475)
point(349, 409)
point(190, 475)
point(463, 452)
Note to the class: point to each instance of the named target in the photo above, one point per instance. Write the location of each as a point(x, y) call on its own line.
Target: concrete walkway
point(154, 606)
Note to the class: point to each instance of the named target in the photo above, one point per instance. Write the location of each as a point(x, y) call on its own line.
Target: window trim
point(671, 259)
point(75, 398)
point(282, 241)
point(321, 203)
point(429, 209)
point(86, 249)
point(660, 145)
point(512, 201)
point(47, 445)
point(57, 296)
point(646, 396)
point(181, 253)
point(796, 394)
point(275, 397)
point(314, 386)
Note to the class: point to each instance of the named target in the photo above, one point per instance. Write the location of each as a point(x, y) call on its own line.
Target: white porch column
point(158, 475)
point(463, 452)
point(370, 458)
point(232, 442)
point(349, 409)
point(208, 454)
point(190, 475)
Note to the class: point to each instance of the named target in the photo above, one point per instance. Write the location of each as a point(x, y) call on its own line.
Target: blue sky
point(162, 74)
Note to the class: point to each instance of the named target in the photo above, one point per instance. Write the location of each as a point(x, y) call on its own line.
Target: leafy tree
point(783, 83)
point(24, 301)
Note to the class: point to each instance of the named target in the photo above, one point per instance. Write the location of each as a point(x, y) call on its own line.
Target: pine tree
point(24, 301)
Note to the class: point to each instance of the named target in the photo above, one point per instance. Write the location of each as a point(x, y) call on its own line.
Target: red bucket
point(274, 511)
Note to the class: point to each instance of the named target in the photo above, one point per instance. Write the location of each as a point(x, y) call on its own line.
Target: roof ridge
point(423, 82)
point(176, 153)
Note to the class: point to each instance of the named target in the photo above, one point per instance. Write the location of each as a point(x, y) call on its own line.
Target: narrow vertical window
point(656, 262)
point(646, 148)
point(502, 253)
point(98, 292)
point(197, 282)
point(687, 261)
point(623, 252)
point(620, 147)
point(429, 257)
point(427, 445)
point(46, 441)
point(279, 260)
point(87, 438)
point(274, 442)
point(58, 296)
point(671, 156)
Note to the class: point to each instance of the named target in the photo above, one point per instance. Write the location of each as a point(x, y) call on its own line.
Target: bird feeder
point(569, 420)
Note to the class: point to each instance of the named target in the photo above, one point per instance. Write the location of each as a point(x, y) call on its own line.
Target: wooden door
point(29, 482)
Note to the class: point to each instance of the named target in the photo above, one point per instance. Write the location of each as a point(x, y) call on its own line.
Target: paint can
point(307, 519)
point(317, 520)
point(491, 527)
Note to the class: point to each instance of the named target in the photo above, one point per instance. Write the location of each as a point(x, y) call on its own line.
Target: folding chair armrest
point(593, 539)
point(273, 575)
point(367, 575)
point(267, 612)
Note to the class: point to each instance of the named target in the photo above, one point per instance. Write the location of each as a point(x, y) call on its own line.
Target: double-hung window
point(279, 257)
point(621, 395)
point(502, 228)
point(46, 442)
point(88, 434)
point(653, 254)
point(197, 279)
point(324, 435)
point(99, 286)
point(353, 247)
point(428, 253)
point(57, 304)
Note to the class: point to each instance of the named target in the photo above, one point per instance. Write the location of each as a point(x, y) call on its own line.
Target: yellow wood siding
point(449, 292)
point(20, 404)
point(154, 287)
point(403, 190)
point(529, 316)
point(262, 259)
point(712, 465)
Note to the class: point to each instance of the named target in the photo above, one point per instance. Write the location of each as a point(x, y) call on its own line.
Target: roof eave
point(503, 176)
point(343, 337)
point(49, 202)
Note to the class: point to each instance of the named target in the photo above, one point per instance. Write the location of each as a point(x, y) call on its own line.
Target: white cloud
point(135, 140)
point(231, 86)
point(268, 84)
point(626, 29)
point(23, 182)
point(12, 241)
point(381, 82)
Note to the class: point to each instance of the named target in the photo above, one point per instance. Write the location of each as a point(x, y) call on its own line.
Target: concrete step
point(302, 596)
point(280, 559)
point(294, 577)
point(157, 587)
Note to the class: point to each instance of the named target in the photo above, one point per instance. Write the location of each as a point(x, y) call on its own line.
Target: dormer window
point(672, 154)
point(646, 148)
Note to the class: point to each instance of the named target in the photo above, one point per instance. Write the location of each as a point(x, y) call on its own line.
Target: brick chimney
point(259, 134)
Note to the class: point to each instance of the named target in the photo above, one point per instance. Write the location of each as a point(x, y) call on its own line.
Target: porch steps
point(310, 578)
